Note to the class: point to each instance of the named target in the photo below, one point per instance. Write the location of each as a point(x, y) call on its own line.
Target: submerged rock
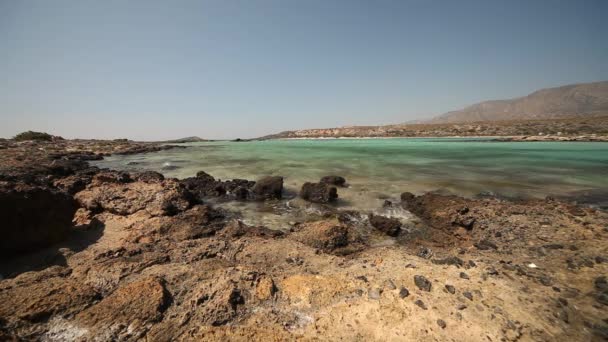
point(319, 192)
point(333, 180)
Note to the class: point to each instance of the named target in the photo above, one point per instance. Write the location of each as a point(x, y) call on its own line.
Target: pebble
point(388, 284)
point(441, 323)
point(461, 306)
point(422, 283)
point(403, 292)
point(464, 275)
point(451, 289)
point(468, 295)
point(373, 294)
point(420, 304)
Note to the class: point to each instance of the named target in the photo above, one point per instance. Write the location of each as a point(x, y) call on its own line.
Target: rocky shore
point(96, 255)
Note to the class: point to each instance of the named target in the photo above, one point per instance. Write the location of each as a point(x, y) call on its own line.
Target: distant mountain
point(585, 99)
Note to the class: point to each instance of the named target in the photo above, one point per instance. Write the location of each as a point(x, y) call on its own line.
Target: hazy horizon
point(157, 70)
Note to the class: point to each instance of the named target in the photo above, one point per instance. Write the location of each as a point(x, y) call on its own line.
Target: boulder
point(318, 192)
point(33, 217)
point(325, 235)
point(388, 225)
point(268, 188)
point(333, 180)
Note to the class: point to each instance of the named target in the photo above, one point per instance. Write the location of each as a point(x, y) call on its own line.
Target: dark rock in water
point(485, 245)
point(204, 176)
point(422, 283)
point(333, 180)
point(450, 288)
point(420, 304)
point(169, 167)
point(454, 261)
point(268, 188)
point(387, 204)
point(204, 185)
point(388, 225)
point(33, 217)
point(403, 292)
point(441, 323)
point(407, 196)
point(318, 192)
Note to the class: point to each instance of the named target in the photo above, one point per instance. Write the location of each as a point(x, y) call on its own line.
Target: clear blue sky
point(227, 69)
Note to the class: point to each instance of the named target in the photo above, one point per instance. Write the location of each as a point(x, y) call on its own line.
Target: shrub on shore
point(31, 135)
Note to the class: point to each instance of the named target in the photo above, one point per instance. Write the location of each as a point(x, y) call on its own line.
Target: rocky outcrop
point(319, 192)
point(116, 193)
point(330, 236)
point(32, 217)
point(204, 185)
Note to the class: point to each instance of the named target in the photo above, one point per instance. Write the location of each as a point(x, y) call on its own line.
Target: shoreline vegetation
point(98, 254)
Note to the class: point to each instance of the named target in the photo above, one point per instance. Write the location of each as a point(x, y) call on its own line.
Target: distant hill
point(185, 140)
point(585, 99)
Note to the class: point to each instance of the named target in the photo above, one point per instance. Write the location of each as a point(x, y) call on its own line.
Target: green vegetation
point(31, 135)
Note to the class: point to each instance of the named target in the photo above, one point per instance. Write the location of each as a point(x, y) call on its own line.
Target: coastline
point(144, 253)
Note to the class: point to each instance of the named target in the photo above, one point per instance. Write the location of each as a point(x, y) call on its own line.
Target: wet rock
point(403, 292)
point(268, 188)
point(33, 217)
point(422, 283)
point(318, 192)
point(450, 288)
point(421, 304)
point(333, 180)
point(389, 226)
point(441, 323)
point(407, 196)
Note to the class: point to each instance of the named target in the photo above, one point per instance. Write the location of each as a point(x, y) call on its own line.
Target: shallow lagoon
point(379, 169)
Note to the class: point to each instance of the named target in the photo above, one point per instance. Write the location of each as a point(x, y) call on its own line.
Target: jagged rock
point(333, 180)
point(388, 225)
point(318, 192)
point(33, 217)
point(168, 197)
point(268, 188)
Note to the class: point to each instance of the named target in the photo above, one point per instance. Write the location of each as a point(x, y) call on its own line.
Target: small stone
point(420, 304)
point(468, 295)
point(485, 245)
point(461, 306)
point(422, 283)
point(362, 278)
point(403, 292)
point(374, 294)
point(388, 284)
point(464, 275)
point(601, 260)
point(451, 289)
point(441, 323)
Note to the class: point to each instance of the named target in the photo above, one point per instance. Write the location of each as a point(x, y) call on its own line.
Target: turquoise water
point(377, 169)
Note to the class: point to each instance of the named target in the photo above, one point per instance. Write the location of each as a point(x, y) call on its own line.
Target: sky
point(153, 70)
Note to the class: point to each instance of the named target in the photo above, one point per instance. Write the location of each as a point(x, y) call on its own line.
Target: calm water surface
point(377, 169)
